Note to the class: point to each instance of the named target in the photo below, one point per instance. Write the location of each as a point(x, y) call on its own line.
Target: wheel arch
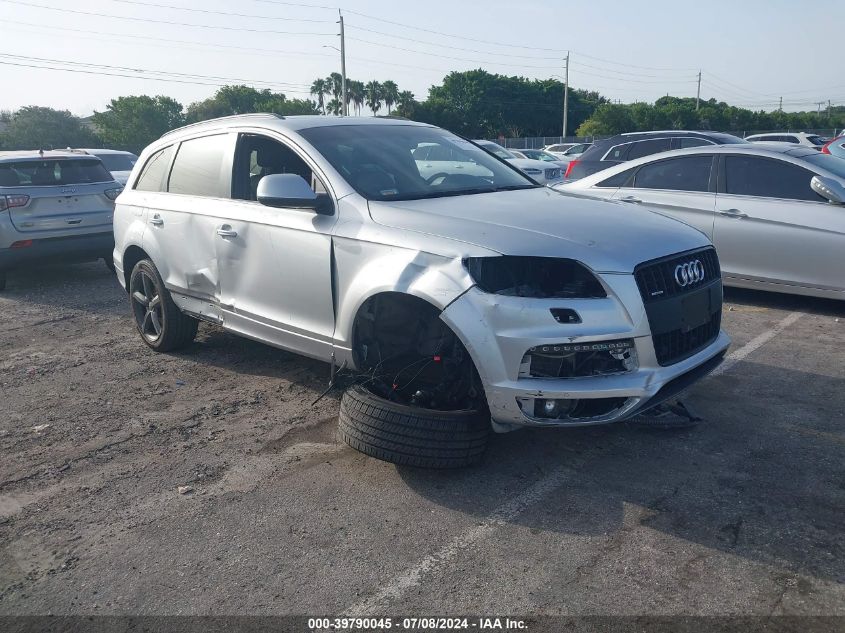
point(131, 256)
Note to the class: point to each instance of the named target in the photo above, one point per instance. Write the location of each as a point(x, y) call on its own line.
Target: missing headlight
point(535, 277)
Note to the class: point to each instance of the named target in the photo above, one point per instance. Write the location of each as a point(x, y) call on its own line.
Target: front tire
point(161, 324)
point(411, 436)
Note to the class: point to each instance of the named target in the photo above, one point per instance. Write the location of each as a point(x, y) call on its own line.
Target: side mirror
point(286, 190)
point(828, 188)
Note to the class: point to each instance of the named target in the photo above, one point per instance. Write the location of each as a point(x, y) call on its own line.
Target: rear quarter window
point(154, 174)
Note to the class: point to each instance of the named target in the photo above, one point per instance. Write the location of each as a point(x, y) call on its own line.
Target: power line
point(460, 59)
point(456, 48)
point(226, 13)
point(142, 73)
point(150, 20)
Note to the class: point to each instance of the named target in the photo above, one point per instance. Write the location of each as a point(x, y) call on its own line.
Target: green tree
point(373, 97)
point(320, 89)
point(356, 94)
point(35, 127)
point(132, 123)
point(230, 100)
point(405, 104)
point(334, 107)
point(389, 94)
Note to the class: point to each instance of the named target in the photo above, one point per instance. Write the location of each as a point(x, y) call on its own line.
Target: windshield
point(832, 164)
point(498, 150)
point(405, 162)
point(118, 162)
point(51, 172)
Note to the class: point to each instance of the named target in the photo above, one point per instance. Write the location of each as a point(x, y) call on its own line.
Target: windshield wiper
point(516, 187)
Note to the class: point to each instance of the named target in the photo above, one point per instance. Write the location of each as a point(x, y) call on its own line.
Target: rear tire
point(411, 436)
point(161, 324)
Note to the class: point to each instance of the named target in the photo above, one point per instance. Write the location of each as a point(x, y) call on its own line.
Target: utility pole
point(819, 110)
point(344, 108)
point(565, 98)
point(780, 107)
point(698, 94)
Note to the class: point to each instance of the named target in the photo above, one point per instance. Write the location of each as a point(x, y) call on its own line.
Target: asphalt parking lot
point(742, 515)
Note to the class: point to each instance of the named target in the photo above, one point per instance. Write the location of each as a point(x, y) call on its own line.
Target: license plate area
point(696, 310)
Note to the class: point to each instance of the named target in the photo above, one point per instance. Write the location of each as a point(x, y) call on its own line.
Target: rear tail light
point(21, 244)
point(9, 202)
point(826, 148)
point(112, 194)
point(569, 167)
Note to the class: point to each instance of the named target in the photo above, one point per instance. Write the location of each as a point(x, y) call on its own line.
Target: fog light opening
point(553, 409)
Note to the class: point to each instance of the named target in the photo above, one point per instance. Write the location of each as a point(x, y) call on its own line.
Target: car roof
point(95, 151)
point(33, 154)
point(279, 122)
point(772, 151)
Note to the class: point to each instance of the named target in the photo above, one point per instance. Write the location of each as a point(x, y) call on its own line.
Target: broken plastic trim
point(535, 277)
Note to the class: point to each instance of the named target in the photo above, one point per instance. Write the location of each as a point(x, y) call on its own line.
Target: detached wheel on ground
point(161, 324)
point(411, 436)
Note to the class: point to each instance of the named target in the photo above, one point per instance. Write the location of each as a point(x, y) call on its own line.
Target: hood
point(605, 236)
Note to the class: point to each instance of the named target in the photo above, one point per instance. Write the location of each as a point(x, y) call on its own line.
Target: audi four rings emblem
point(689, 273)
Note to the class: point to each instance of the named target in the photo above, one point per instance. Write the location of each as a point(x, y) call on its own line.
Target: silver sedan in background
point(776, 214)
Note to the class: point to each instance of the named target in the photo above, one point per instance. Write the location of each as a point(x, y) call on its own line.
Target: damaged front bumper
point(501, 331)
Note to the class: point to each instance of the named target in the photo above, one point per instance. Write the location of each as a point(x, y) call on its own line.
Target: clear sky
point(751, 52)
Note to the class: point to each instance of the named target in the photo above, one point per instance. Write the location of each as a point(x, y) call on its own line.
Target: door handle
point(74, 221)
point(156, 220)
point(226, 231)
point(732, 213)
point(631, 199)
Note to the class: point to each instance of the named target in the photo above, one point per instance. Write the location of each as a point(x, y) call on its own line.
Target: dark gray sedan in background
point(776, 214)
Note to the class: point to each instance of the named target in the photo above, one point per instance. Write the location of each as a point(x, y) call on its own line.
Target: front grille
point(656, 279)
point(552, 174)
point(677, 345)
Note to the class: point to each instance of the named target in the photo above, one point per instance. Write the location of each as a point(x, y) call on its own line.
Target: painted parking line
point(756, 343)
point(395, 587)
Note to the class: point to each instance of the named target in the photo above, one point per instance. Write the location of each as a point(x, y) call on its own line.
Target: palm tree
point(318, 89)
point(389, 93)
point(405, 102)
point(356, 93)
point(335, 82)
point(373, 94)
point(334, 107)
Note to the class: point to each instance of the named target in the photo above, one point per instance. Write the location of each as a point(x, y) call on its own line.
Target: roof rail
point(223, 118)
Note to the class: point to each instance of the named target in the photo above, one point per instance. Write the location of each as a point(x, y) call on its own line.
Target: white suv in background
point(796, 138)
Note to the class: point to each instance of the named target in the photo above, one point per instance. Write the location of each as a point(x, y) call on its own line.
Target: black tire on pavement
point(411, 436)
point(109, 262)
point(161, 324)
point(2, 280)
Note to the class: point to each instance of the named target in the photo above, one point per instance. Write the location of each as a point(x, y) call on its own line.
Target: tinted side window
point(647, 148)
point(619, 152)
point(619, 180)
point(154, 175)
point(690, 173)
point(752, 176)
point(791, 139)
point(198, 168)
point(692, 142)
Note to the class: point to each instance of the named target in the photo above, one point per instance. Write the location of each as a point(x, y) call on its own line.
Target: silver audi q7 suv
point(455, 301)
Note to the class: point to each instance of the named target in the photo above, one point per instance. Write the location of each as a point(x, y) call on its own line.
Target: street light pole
point(565, 98)
point(344, 106)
